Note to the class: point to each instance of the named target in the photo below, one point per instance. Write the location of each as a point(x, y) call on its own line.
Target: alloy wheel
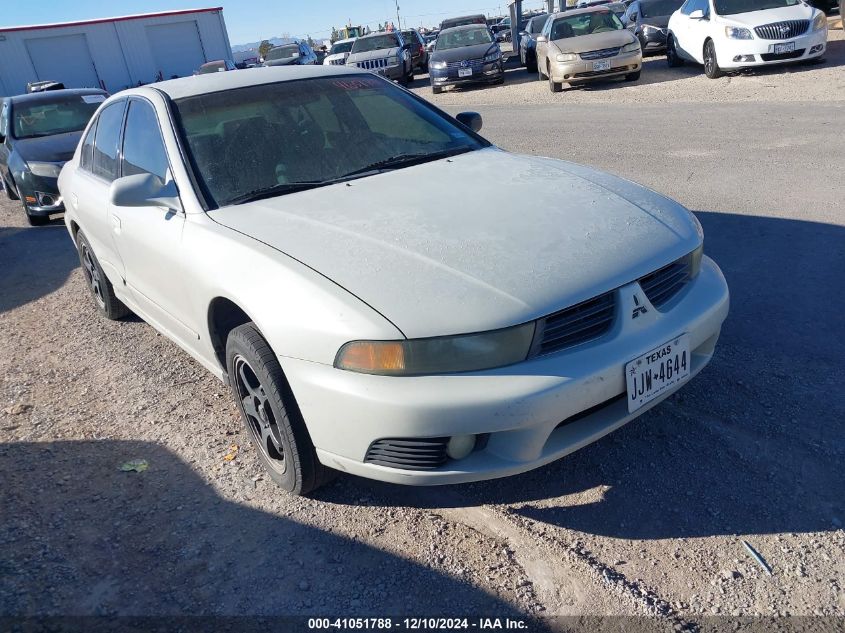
point(92, 276)
point(260, 417)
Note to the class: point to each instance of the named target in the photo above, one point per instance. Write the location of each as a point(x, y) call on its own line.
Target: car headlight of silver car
point(633, 47)
point(44, 169)
point(738, 33)
point(439, 355)
point(566, 57)
point(820, 21)
point(438, 65)
point(695, 261)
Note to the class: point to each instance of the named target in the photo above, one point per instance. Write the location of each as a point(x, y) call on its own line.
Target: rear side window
point(143, 147)
point(86, 159)
point(106, 141)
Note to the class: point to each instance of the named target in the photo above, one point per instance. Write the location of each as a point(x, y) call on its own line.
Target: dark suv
point(38, 135)
point(419, 55)
point(293, 54)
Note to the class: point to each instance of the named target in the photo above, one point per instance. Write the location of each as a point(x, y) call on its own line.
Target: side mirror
point(541, 39)
point(471, 119)
point(144, 190)
point(698, 14)
point(2, 138)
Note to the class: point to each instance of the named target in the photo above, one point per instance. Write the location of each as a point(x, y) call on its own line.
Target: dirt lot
point(649, 520)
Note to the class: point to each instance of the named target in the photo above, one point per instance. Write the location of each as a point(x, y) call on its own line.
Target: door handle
point(115, 223)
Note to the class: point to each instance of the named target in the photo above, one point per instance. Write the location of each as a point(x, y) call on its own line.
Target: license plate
point(789, 47)
point(602, 64)
point(464, 72)
point(657, 371)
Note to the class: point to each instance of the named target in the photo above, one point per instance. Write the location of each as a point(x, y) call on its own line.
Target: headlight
point(820, 21)
point(648, 28)
point(737, 33)
point(566, 57)
point(441, 355)
point(493, 57)
point(438, 65)
point(45, 170)
point(633, 47)
point(695, 261)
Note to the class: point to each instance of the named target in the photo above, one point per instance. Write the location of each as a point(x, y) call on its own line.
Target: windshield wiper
point(276, 190)
point(406, 160)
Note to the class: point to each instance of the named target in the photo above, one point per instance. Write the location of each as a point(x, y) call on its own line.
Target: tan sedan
point(585, 44)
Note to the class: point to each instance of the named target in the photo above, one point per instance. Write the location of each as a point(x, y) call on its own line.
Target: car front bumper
point(653, 40)
point(583, 70)
point(40, 194)
point(487, 73)
point(395, 72)
point(517, 410)
point(759, 52)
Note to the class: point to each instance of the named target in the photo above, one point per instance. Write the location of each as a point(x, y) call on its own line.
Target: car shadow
point(81, 537)
point(751, 445)
point(35, 261)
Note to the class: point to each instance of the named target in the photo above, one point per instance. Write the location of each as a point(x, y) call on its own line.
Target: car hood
point(287, 61)
point(595, 41)
point(511, 238)
point(58, 148)
point(464, 52)
point(660, 21)
point(376, 54)
point(767, 16)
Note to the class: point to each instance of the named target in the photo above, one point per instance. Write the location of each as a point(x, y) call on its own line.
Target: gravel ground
point(650, 520)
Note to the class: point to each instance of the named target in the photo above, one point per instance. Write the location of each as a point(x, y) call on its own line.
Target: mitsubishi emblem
point(639, 309)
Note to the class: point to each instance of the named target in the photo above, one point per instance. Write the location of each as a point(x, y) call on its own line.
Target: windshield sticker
point(356, 84)
point(93, 98)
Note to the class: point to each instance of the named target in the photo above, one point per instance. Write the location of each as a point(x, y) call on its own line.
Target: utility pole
point(398, 19)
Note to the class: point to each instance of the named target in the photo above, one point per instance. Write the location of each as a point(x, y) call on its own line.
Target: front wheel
point(672, 58)
point(11, 192)
point(270, 413)
point(711, 64)
point(554, 86)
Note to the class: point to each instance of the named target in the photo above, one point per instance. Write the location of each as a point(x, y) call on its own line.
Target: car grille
point(408, 453)
point(782, 30)
point(607, 71)
point(600, 54)
point(772, 57)
point(580, 323)
point(337, 62)
point(372, 64)
point(663, 284)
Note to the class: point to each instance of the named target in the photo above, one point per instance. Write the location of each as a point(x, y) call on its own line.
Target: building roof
point(137, 16)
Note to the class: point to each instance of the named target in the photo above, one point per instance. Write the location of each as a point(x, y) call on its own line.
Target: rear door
point(149, 239)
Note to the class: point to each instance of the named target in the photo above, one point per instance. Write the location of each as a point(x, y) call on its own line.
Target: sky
point(254, 20)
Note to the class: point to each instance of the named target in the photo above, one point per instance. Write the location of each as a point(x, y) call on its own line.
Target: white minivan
point(730, 34)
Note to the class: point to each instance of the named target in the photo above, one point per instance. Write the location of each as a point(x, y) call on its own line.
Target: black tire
point(11, 191)
point(437, 89)
point(672, 58)
point(711, 63)
point(553, 85)
point(270, 413)
point(633, 76)
point(36, 220)
point(540, 75)
point(531, 63)
point(101, 288)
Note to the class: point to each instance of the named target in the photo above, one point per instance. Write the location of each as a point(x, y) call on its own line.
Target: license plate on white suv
point(656, 372)
point(780, 49)
point(602, 64)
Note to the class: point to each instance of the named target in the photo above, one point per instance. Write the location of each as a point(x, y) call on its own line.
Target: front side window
point(585, 24)
point(375, 43)
point(277, 137)
point(732, 7)
point(143, 147)
point(341, 47)
point(537, 24)
point(59, 115)
point(106, 141)
point(659, 8)
point(464, 37)
point(86, 158)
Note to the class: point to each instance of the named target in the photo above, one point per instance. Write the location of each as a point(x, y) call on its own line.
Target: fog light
point(743, 58)
point(460, 446)
point(816, 48)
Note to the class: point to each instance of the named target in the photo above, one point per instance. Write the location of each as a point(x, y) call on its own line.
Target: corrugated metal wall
point(120, 50)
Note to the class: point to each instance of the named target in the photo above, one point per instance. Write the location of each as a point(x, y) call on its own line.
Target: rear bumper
point(518, 410)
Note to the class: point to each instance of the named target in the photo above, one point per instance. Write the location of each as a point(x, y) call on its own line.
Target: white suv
point(729, 34)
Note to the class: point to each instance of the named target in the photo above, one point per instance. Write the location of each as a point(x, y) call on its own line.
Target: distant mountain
point(275, 41)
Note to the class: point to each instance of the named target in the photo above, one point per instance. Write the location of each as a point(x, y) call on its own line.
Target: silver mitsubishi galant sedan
point(266, 221)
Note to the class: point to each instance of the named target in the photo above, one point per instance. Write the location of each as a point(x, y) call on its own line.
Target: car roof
point(378, 34)
point(465, 27)
point(218, 82)
point(596, 8)
point(49, 95)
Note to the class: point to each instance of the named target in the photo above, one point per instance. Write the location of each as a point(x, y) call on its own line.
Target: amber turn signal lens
point(373, 357)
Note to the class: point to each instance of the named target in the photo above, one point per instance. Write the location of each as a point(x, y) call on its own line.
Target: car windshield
point(410, 37)
point(470, 19)
point(283, 52)
point(341, 47)
point(375, 43)
point(463, 37)
point(585, 24)
point(732, 7)
point(272, 139)
point(55, 116)
point(619, 8)
point(659, 8)
point(537, 23)
point(212, 68)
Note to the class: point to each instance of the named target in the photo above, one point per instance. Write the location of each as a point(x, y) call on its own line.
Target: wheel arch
point(224, 315)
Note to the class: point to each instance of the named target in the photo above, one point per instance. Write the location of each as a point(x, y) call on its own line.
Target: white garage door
point(177, 49)
point(64, 58)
